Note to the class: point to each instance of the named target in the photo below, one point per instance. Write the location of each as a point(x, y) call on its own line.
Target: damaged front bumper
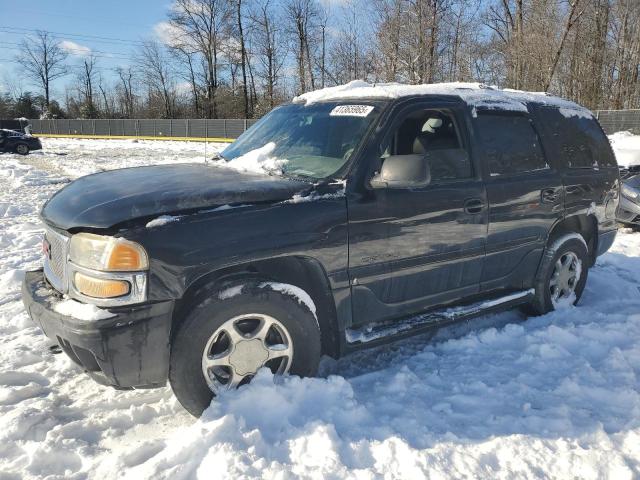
point(128, 350)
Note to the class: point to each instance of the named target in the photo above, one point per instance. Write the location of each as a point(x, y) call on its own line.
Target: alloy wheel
point(565, 278)
point(243, 345)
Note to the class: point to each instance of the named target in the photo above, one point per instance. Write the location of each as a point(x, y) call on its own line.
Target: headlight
point(108, 254)
point(629, 192)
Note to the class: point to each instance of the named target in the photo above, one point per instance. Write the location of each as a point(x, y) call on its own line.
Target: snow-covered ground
point(503, 397)
point(626, 146)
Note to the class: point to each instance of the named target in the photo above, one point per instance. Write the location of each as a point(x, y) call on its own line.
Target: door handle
point(473, 206)
point(549, 195)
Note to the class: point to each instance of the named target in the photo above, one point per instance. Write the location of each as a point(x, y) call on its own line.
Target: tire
point(570, 247)
point(210, 326)
point(22, 149)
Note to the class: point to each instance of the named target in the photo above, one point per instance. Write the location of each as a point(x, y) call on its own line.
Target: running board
point(375, 332)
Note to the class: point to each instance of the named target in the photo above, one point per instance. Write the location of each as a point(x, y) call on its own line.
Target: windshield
point(307, 141)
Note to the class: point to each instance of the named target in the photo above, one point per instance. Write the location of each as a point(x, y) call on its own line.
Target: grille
point(55, 264)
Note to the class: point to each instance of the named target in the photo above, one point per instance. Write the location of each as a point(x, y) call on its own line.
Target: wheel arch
point(304, 272)
point(584, 224)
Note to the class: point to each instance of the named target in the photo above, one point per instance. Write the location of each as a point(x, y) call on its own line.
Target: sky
point(121, 25)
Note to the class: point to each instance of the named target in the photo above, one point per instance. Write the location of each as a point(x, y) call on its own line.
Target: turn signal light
point(126, 257)
point(100, 288)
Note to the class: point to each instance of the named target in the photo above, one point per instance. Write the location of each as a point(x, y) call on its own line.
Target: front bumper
point(128, 350)
point(628, 211)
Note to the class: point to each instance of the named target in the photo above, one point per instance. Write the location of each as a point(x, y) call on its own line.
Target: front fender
point(185, 249)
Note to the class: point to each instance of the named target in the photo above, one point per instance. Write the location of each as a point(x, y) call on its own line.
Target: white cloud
point(183, 87)
point(166, 33)
point(173, 36)
point(74, 48)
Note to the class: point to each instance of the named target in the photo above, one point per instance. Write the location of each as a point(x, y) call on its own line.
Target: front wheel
point(232, 333)
point(562, 275)
point(22, 148)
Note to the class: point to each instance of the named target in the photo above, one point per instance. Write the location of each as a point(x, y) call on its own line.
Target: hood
point(103, 200)
point(14, 133)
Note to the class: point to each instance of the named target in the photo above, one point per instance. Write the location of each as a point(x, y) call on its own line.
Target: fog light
point(100, 288)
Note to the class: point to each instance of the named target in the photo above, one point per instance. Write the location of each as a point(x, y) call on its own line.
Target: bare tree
point(125, 88)
point(389, 31)
point(187, 57)
point(572, 18)
point(302, 14)
point(203, 24)
point(243, 57)
point(156, 73)
point(43, 60)
point(108, 110)
point(269, 49)
point(86, 80)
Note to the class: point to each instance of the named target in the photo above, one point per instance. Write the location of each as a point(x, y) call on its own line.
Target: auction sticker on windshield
point(351, 111)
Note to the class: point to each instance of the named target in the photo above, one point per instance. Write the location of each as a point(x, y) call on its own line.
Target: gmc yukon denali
point(352, 216)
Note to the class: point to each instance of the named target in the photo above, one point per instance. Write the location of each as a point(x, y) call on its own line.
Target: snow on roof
point(475, 94)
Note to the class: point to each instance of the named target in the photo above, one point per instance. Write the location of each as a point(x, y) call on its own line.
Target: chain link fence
point(182, 128)
point(611, 120)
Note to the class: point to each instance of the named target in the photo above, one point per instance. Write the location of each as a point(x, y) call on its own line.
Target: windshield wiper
point(300, 177)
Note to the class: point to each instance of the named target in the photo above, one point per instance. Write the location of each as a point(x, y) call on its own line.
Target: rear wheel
point(562, 275)
point(230, 334)
point(22, 148)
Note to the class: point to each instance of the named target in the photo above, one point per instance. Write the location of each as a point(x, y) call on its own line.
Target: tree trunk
point(243, 59)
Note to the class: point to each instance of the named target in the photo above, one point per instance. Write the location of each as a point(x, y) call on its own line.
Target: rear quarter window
point(579, 142)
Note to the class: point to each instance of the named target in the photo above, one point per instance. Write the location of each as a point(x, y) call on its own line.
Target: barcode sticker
point(351, 111)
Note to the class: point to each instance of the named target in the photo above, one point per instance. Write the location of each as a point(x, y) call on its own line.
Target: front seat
point(444, 164)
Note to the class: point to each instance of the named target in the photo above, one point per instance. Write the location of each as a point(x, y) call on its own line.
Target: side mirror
point(403, 171)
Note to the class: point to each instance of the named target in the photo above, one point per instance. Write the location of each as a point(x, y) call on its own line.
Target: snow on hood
point(475, 94)
point(259, 160)
point(626, 147)
point(14, 133)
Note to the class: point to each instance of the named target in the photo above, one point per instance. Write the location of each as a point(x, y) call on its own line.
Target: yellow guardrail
point(137, 137)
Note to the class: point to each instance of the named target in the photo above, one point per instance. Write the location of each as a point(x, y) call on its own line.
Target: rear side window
point(579, 140)
point(511, 144)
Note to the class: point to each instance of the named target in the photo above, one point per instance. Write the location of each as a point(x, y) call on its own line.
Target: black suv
point(385, 214)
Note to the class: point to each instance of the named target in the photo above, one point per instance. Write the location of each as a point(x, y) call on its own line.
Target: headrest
point(432, 125)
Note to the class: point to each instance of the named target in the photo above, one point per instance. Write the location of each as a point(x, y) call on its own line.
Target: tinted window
point(579, 140)
point(433, 133)
point(511, 144)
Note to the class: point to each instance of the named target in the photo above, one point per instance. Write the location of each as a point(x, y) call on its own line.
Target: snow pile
point(259, 160)
point(81, 311)
point(475, 94)
point(626, 146)
point(555, 396)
